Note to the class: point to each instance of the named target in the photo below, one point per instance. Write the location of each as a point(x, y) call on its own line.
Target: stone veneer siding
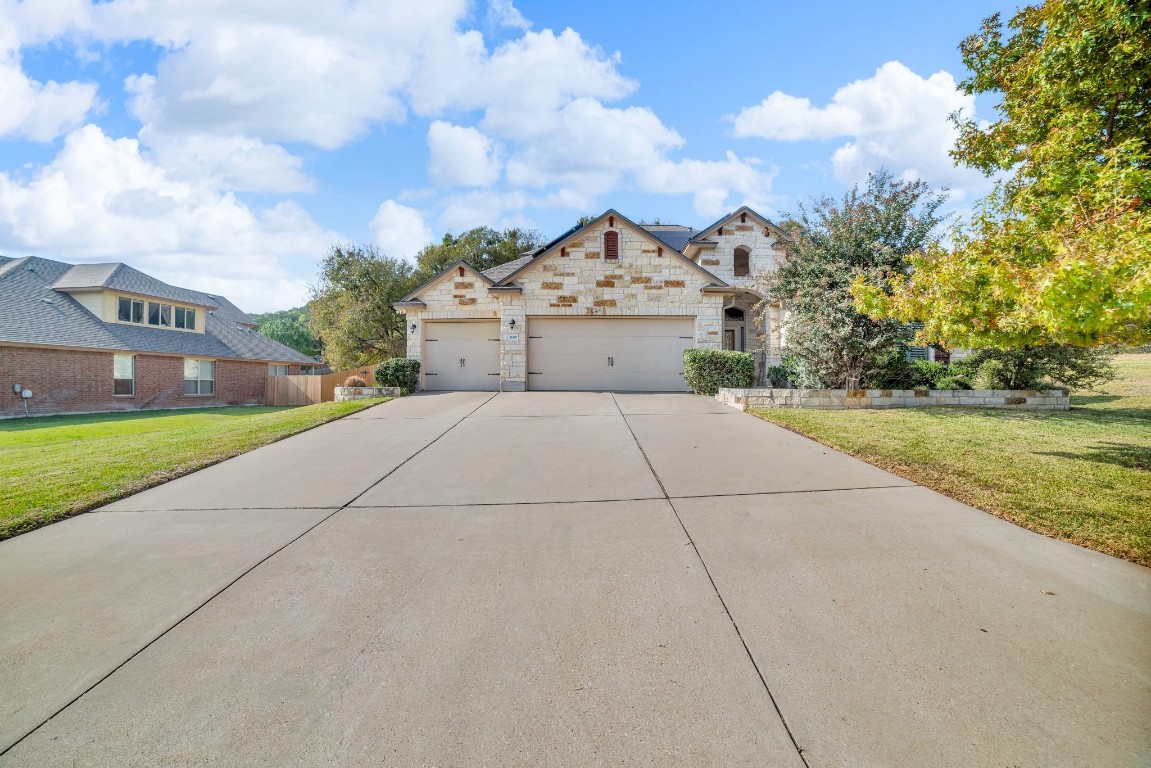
point(71, 381)
point(842, 399)
point(576, 282)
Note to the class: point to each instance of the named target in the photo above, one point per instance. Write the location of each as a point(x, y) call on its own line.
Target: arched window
point(742, 261)
point(611, 245)
point(734, 313)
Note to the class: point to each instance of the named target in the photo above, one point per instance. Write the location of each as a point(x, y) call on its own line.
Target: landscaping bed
point(1082, 475)
point(57, 466)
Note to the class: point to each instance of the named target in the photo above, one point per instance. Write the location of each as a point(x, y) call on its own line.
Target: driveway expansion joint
point(791, 493)
point(227, 586)
point(779, 713)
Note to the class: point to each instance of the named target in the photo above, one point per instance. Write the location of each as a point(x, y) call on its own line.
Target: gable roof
point(702, 235)
point(559, 241)
point(411, 297)
point(34, 311)
point(497, 274)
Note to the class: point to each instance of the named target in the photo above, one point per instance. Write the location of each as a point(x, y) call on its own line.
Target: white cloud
point(30, 109)
point(895, 119)
point(460, 156)
point(711, 183)
point(231, 162)
point(102, 199)
point(478, 209)
point(501, 13)
point(400, 231)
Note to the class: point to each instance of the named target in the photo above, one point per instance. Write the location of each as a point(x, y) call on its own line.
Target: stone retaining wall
point(365, 393)
point(839, 399)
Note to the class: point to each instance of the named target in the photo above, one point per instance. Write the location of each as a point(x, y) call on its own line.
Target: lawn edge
point(159, 478)
point(920, 477)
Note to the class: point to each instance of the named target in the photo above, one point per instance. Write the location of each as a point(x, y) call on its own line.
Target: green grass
point(57, 466)
point(1083, 475)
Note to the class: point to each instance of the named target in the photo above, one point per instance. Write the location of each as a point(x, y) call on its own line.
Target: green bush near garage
point(709, 370)
point(399, 372)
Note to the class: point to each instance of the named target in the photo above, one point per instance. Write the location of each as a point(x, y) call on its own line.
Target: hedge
point(709, 370)
point(399, 372)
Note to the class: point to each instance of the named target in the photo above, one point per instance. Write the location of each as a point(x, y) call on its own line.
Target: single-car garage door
point(642, 354)
point(462, 355)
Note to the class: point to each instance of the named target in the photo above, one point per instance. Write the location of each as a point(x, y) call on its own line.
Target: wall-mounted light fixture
point(413, 327)
point(512, 322)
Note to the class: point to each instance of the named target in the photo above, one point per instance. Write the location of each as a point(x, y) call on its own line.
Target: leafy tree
point(1061, 251)
point(867, 235)
point(290, 328)
point(482, 247)
point(351, 308)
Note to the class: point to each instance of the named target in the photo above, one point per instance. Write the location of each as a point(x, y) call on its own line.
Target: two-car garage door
point(637, 354)
point(612, 354)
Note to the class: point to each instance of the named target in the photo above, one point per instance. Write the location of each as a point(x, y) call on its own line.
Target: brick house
point(107, 337)
point(610, 305)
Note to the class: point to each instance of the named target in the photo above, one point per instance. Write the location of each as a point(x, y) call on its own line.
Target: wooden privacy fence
point(305, 390)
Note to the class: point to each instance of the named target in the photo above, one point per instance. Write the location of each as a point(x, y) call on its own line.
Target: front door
point(729, 338)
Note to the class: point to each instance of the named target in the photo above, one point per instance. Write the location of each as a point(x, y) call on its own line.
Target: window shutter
point(610, 245)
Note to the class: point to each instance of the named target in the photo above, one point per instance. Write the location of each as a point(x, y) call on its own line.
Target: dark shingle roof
point(672, 234)
point(496, 274)
point(121, 277)
point(32, 311)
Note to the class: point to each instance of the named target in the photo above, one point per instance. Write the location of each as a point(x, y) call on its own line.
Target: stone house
point(107, 337)
point(610, 305)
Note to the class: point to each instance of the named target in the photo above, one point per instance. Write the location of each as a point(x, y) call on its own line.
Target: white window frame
point(117, 360)
point(132, 302)
point(161, 305)
point(275, 369)
point(181, 316)
point(195, 366)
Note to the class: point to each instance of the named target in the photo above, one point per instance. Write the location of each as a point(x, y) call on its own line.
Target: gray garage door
point(462, 355)
point(611, 354)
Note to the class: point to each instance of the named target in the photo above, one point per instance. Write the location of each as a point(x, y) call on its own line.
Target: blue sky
point(225, 146)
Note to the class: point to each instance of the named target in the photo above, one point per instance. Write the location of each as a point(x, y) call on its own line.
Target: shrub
point(777, 376)
point(952, 382)
point(1038, 367)
point(354, 381)
point(399, 372)
point(709, 370)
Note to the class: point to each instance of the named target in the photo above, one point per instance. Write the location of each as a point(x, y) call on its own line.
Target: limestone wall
point(720, 260)
point(841, 399)
point(452, 297)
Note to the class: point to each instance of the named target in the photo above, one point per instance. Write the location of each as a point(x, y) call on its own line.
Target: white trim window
point(186, 318)
point(129, 310)
point(277, 370)
point(123, 375)
point(199, 377)
point(159, 314)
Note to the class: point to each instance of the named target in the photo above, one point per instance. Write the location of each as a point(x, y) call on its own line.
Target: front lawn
point(1083, 475)
point(56, 466)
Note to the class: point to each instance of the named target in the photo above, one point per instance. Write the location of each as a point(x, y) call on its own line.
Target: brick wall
point(65, 381)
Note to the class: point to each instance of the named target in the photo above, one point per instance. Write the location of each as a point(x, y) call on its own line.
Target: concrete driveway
point(573, 579)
